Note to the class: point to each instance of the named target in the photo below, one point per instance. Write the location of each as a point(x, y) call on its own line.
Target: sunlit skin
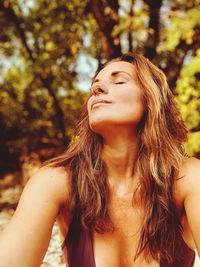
point(117, 120)
point(116, 83)
point(115, 108)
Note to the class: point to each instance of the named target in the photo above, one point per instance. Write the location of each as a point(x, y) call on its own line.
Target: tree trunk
point(106, 15)
point(9, 12)
point(154, 27)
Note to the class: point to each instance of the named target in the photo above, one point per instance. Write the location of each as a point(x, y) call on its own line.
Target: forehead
point(117, 66)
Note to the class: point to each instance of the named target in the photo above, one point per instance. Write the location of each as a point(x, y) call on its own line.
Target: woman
point(124, 193)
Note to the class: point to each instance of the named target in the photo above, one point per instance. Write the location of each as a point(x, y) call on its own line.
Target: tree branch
point(196, 129)
point(17, 22)
point(11, 15)
point(154, 27)
point(106, 15)
point(173, 68)
point(130, 39)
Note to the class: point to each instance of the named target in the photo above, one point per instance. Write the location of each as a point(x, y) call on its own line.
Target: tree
point(166, 32)
point(41, 43)
point(38, 93)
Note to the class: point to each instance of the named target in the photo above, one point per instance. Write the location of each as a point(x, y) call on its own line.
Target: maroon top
point(78, 250)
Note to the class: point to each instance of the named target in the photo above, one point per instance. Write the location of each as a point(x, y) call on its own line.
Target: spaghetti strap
point(185, 258)
point(78, 250)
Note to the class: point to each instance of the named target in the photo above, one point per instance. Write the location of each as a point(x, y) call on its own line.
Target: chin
point(97, 127)
point(100, 125)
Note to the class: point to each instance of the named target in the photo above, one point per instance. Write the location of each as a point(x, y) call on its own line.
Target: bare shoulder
point(190, 172)
point(189, 190)
point(188, 181)
point(41, 201)
point(53, 181)
point(190, 165)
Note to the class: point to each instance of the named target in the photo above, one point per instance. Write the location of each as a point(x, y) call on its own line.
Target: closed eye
point(119, 82)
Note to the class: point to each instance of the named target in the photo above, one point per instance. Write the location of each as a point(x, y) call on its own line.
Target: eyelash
point(91, 91)
point(119, 82)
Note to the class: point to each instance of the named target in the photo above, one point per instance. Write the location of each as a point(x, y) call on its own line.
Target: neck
point(119, 154)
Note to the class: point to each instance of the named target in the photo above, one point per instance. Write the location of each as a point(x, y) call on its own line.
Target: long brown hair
point(161, 134)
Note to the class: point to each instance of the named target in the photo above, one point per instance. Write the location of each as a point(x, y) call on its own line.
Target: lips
point(98, 102)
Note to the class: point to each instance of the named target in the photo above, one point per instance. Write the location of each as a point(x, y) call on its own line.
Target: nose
point(98, 89)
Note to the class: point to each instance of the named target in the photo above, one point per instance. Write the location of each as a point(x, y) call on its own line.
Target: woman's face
point(116, 99)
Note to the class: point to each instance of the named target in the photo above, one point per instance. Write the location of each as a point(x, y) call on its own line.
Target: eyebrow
point(115, 73)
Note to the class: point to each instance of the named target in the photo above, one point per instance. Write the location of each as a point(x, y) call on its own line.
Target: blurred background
point(49, 51)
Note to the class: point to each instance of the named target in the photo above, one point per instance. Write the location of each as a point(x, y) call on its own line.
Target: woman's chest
point(127, 216)
point(118, 248)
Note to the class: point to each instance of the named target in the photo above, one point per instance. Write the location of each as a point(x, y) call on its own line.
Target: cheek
point(133, 104)
point(131, 97)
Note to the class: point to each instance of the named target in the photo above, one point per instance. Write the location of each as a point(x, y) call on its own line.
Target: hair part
point(161, 133)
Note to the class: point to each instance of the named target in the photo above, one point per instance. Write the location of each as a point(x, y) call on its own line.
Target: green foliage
point(38, 93)
point(188, 97)
point(182, 26)
point(41, 42)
